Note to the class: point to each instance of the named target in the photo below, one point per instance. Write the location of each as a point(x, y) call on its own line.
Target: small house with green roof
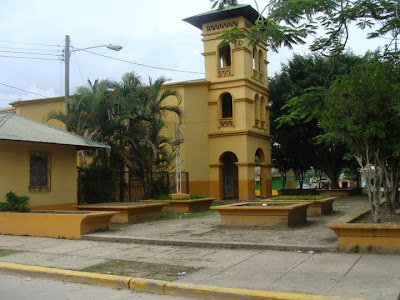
point(39, 161)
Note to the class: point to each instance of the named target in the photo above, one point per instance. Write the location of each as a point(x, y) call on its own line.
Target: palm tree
point(128, 116)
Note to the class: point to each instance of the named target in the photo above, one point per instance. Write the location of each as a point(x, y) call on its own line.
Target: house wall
point(39, 109)
point(14, 174)
point(194, 127)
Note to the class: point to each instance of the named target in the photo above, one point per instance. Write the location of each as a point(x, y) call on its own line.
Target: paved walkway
point(369, 276)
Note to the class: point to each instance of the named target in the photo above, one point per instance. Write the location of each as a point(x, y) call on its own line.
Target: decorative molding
point(212, 102)
point(226, 122)
point(225, 72)
point(209, 53)
point(222, 25)
point(216, 165)
point(244, 100)
point(240, 132)
point(246, 164)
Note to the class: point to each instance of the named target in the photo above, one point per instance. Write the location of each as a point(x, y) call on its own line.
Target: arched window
point(263, 112)
point(254, 58)
point(226, 105)
point(260, 62)
point(224, 55)
point(257, 110)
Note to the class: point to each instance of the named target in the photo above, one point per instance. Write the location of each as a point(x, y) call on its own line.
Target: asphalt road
point(14, 287)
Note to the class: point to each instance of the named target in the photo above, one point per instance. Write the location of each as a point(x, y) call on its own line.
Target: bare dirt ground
point(208, 228)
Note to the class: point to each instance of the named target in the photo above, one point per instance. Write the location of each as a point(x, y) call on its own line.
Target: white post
point(178, 167)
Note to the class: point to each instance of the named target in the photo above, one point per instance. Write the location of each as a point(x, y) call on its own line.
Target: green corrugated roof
point(14, 127)
point(228, 12)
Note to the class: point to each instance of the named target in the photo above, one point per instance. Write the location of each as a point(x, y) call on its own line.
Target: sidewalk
point(368, 276)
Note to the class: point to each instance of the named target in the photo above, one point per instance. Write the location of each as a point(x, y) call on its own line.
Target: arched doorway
point(230, 178)
point(260, 173)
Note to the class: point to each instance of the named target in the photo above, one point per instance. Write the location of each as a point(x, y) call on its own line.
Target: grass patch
point(140, 269)
point(118, 225)
point(222, 202)
point(193, 215)
point(300, 197)
point(4, 252)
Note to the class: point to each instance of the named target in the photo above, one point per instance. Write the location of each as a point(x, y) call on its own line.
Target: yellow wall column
point(246, 181)
point(216, 181)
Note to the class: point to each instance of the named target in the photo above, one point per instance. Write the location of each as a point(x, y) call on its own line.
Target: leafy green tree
point(297, 100)
point(362, 111)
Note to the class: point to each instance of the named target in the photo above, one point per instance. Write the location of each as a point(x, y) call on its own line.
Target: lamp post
point(67, 53)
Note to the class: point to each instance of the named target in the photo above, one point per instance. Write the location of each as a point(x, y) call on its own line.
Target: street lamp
point(67, 53)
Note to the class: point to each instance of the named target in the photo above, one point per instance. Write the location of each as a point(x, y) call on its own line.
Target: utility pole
point(66, 61)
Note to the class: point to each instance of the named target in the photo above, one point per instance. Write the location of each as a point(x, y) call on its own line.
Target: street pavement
point(17, 287)
point(347, 275)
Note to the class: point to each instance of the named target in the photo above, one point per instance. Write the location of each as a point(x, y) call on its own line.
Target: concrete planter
point(57, 224)
point(263, 214)
point(339, 192)
point(127, 212)
point(365, 237)
point(184, 206)
point(316, 208)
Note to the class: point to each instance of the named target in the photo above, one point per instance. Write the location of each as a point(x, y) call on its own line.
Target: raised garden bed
point(184, 206)
point(263, 214)
point(320, 205)
point(57, 224)
point(340, 192)
point(127, 212)
point(298, 192)
point(365, 237)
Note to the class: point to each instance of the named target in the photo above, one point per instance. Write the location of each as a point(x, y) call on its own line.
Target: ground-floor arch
point(230, 180)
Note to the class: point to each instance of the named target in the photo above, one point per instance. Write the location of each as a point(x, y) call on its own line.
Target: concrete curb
point(119, 282)
point(206, 244)
point(154, 286)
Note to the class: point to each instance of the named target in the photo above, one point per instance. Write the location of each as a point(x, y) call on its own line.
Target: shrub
point(15, 203)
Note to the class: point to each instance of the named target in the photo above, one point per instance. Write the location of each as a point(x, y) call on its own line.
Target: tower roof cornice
point(229, 12)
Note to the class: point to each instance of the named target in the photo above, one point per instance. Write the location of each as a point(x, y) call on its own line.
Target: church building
point(225, 124)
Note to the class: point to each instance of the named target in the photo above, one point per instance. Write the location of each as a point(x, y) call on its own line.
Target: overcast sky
point(151, 32)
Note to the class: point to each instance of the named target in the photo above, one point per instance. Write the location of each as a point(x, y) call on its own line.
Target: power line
point(34, 53)
point(25, 57)
point(143, 65)
point(13, 87)
point(79, 68)
point(32, 49)
point(35, 44)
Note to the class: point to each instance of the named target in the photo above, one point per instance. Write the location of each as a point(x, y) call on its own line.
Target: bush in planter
point(15, 203)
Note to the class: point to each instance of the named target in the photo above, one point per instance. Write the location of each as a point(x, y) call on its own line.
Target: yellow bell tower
point(238, 114)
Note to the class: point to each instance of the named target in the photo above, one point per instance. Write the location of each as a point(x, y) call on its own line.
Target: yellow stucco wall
point(14, 173)
point(38, 109)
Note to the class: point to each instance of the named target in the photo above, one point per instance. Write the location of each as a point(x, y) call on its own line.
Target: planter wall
point(365, 237)
point(127, 212)
point(184, 206)
point(57, 224)
point(340, 192)
point(298, 192)
point(238, 214)
point(316, 207)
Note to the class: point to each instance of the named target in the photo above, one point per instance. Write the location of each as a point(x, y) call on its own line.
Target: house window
point(39, 171)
